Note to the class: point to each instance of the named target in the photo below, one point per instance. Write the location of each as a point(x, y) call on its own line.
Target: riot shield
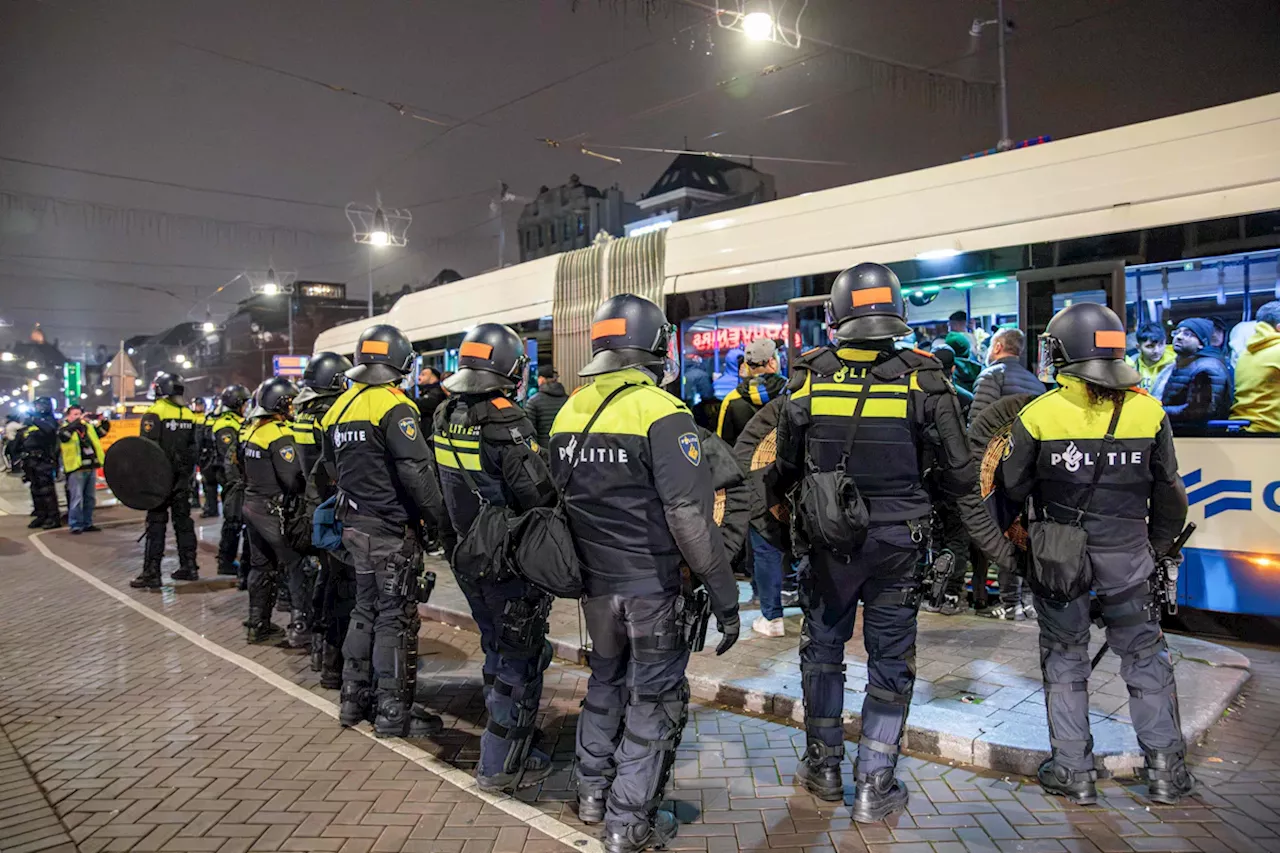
point(989, 437)
point(138, 473)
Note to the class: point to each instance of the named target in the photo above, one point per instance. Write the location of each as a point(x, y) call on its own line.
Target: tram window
point(1205, 340)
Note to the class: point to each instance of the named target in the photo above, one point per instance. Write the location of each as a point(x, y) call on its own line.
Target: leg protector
point(1064, 664)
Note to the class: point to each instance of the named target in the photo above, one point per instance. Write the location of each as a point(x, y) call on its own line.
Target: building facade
point(569, 217)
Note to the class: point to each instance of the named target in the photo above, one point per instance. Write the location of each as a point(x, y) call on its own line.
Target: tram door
point(806, 325)
point(1042, 293)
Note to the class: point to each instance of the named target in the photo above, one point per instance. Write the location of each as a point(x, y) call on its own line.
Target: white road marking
point(521, 811)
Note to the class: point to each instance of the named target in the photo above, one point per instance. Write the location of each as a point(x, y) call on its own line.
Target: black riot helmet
point(1087, 340)
point(325, 376)
point(273, 397)
point(383, 354)
point(43, 406)
point(628, 331)
point(167, 385)
point(491, 358)
point(233, 397)
point(866, 305)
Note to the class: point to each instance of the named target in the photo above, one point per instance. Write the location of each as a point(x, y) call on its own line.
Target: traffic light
point(72, 376)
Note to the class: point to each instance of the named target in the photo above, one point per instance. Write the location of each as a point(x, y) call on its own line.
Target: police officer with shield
point(378, 456)
point(1097, 454)
point(860, 418)
point(226, 428)
point(173, 426)
point(640, 504)
point(334, 596)
point(486, 453)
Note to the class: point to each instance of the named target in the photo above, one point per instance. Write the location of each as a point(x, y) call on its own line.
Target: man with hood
point(1199, 386)
point(546, 404)
point(1258, 374)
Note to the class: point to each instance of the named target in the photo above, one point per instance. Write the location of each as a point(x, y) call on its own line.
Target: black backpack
point(482, 553)
point(543, 549)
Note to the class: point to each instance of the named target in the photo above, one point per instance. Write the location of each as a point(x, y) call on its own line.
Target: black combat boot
point(187, 568)
point(637, 837)
point(298, 635)
point(1168, 779)
point(819, 774)
point(591, 805)
point(331, 667)
point(397, 716)
point(878, 795)
point(317, 651)
point(357, 704)
point(537, 766)
point(264, 631)
point(1078, 786)
point(228, 567)
point(150, 577)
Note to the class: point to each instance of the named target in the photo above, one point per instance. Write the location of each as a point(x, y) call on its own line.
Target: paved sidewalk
point(979, 697)
point(143, 740)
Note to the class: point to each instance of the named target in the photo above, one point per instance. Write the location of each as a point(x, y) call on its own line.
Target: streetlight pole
point(371, 280)
point(1005, 142)
point(290, 309)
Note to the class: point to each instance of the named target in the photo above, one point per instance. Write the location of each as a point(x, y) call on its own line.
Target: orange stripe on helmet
point(872, 296)
point(609, 328)
point(475, 349)
point(1108, 339)
point(375, 347)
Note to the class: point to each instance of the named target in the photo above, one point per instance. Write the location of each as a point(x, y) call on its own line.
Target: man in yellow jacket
point(81, 457)
point(1258, 374)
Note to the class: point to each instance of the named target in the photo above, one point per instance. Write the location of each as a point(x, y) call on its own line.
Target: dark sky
point(181, 94)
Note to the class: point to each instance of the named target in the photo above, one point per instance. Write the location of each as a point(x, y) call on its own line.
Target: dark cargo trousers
point(272, 563)
point(380, 653)
point(882, 577)
point(1133, 631)
point(513, 635)
point(637, 703)
point(177, 508)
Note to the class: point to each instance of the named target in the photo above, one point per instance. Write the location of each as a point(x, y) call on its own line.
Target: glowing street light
point(31, 365)
point(758, 26)
point(6, 356)
point(209, 326)
point(379, 236)
point(42, 377)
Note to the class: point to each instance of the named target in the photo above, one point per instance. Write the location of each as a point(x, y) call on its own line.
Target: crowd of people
point(855, 474)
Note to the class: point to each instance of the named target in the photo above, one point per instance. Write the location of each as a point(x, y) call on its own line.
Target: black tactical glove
point(729, 625)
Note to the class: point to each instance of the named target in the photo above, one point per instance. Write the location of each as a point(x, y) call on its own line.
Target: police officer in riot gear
point(866, 413)
point(335, 586)
point(40, 463)
point(379, 458)
point(206, 461)
point(1131, 509)
point(640, 505)
point(173, 426)
point(486, 450)
point(226, 428)
point(273, 480)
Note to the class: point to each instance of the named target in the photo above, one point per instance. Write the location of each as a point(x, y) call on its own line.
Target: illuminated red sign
point(732, 337)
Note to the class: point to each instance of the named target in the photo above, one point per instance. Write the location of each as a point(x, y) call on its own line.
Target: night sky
point(228, 95)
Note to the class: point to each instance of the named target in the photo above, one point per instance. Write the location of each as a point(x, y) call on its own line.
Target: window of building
point(582, 224)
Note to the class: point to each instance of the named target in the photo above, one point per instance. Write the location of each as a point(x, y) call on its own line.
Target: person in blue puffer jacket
point(1199, 387)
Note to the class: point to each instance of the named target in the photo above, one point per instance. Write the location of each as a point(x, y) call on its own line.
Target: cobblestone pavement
point(141, 739)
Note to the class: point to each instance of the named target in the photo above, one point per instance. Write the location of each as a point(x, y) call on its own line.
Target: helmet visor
point(1049, 350)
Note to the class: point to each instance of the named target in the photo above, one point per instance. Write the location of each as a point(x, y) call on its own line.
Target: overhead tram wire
point(533, 93)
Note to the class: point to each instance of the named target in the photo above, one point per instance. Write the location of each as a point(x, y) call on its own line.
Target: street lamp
point(42, 377)
point(274, 284)
point(6, 356)
point(758, 26)
point(1003, 26)
point(31, 365)
point(378, 227)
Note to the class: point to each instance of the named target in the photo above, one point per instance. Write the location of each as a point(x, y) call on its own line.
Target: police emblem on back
point(691, 448)
point(409, 427)
point(286, 453)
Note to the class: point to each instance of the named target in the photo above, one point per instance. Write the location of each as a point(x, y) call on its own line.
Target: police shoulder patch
point(409, 426)
point(226, 439)
point(691, 447)
point(287, 453)
point(147, 426)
